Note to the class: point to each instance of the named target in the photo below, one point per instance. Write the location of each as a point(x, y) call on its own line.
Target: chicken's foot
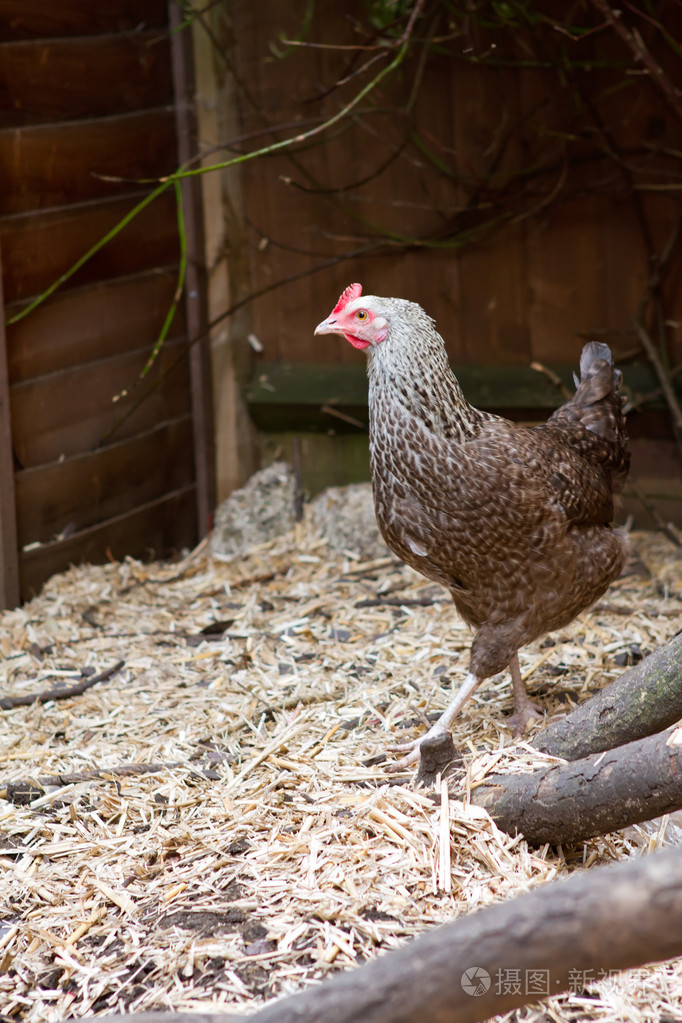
point(525, 709)
point(442, 725)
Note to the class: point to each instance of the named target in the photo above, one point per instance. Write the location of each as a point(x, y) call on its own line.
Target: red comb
point(352, 292)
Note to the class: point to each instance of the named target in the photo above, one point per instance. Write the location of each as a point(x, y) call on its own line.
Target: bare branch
point(663, 377)
point(586, 923)
point(644, 700)
point(635, 44)
point(60, 693)
point(568, 803)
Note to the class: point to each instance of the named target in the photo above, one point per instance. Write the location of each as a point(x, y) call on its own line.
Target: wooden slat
point(36, 19)
point(568, 270)
point(197, 277)
point(217, 107)
point(291, 395)
point(69, 79)
point(304, 383)
point(67, 413)
point(9, 566)
point(86, 91)
point(38, 247)
point(86, 489)
point(325, 461)
point(93, 322)
point(493, 288)
point(157, 529)
point(570, 258)
point(58, 164)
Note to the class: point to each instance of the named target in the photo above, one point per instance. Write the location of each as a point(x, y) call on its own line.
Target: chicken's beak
point(328, 326)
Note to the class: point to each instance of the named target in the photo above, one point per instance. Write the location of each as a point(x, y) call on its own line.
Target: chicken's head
point(355, 318)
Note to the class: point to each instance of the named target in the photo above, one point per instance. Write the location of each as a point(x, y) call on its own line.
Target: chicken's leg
point(468, 687)
point(524, 708)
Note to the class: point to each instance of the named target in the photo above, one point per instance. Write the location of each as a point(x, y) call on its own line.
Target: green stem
point(180, 174)
point(182, 272)
point(91, 252)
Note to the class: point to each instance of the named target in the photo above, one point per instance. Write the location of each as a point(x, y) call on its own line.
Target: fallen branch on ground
point(644, 700)
point(25, 791)
point(605, 919)
point(60, 692)
point(600, 793)
point(440, 598)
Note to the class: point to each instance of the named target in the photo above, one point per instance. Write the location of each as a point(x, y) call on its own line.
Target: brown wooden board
point(70, 412)
point(195, 296)
point(9, 567)
point(39, 247)
point(68, 79)
point(37, 19)
point(493, 288)
point(83, 490)
point(562, 255)
point(158, 529)
point(57, 164)
point(86, 93)
point(93, 322)
point(567, 266)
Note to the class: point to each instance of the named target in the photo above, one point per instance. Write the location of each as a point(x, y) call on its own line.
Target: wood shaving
point(263, 853)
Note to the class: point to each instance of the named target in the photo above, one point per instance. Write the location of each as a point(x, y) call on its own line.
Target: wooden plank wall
point(86, 93)
point(533, 289)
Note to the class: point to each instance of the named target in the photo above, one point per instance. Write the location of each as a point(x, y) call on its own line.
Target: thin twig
point(402, 602)
point(61, 693)
point(635, 43)
point(401, 47)
point(106, 773)
point(664, 380)
point(330, 411)
point(654, 512)
point(643, 399)
point(552, 377)
point(179, 288)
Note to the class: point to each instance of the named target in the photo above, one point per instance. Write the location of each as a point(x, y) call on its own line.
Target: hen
point(515, 521)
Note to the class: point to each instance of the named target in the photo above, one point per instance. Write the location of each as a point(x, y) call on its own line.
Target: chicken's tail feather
point(597, 406)
point(598, 376)
point(597, 402)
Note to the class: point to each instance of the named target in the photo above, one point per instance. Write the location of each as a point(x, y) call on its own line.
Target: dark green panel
point(293, 396)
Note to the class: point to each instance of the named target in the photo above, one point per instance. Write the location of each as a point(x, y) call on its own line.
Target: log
point(605, 919)
point(644, 700)
point(592, 796)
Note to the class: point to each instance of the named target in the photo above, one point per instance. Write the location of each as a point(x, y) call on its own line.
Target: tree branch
point(635, 44)
point(600, 793)
point(60, 693)
point(664, 379)
point(644, 700)
point(610, 918)
point(26, 790)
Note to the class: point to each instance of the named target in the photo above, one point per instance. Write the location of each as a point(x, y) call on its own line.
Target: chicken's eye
point(361, 314)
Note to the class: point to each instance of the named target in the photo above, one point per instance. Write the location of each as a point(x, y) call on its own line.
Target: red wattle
point(356, 342)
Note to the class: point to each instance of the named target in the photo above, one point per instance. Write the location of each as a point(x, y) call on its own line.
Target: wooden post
point(9, 555)
point(227, 247)
point(195, 287)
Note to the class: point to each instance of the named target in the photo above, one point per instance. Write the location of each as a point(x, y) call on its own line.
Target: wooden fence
point(481, 190)
point(398, 197)
point(94, 98)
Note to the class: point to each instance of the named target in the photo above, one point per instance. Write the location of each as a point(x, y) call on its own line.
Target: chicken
point(515, 521)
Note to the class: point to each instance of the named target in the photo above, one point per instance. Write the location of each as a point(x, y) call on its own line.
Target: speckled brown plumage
point(515, 521)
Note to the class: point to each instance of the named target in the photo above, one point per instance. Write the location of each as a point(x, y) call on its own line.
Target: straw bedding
point(252, 849)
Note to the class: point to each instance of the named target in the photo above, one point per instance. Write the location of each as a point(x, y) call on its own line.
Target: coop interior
point(207, 650)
